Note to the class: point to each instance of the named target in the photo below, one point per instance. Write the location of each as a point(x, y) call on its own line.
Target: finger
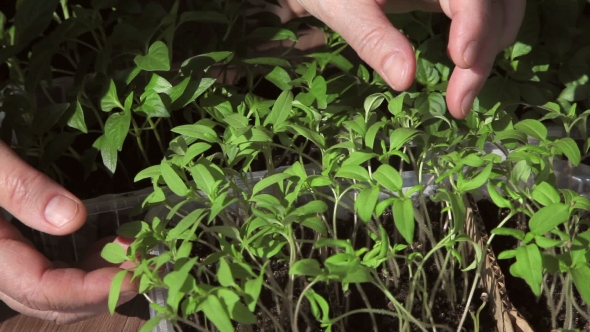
point(61, 317)
point(469, 29)
point(40, 287)
point(35, 199)
point(513, 13)
point(465, 84)
point(363, 24)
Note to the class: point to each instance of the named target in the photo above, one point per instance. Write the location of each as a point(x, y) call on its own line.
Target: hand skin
point(29, 282)
point(480, 29)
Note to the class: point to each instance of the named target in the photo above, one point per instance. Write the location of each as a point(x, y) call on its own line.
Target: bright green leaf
point(548, 218)
point(403, 217)
point(115, 290)
point(173, 180)
point(114, 253)
point(545, 194)
point(156, 59)
point(532, 128)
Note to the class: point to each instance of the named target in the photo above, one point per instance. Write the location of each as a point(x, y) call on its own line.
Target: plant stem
point(139, 142)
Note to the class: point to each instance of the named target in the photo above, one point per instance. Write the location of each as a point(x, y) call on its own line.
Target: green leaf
point(529, 265)
point(114, 253)
point(148, 173)
point(204, 178)
point(110, 100)
point(306, 267)
point(151, 324)
point(224, 274)
point(32, 18)
point(197, 131)
point(354, 172)
point(157, 58)
point(581, 275)
point(188, 91)
point(253, 287)
point(316, 224)
point(548, 218)
point(517, 233)
point(236, 309)
point(153, 106)
point(403, 216)
point(311, 208)
point(373, 102)
point(319, 89)
point(399, 137)
point(115, 290)
point(281, 109)
point(366, 202)
point(545, 194)
point(173, 180)
point(201, 63)
point(279, 77)
point(194, 151)
point(269, 61)
point(116, 129)
point(314, 137)
point(477, 181)
point(216, 313)
point(431, 103)
point(157, 84)
point(519, 49)
point(269, 181)
point(357, 158)
point(545, 242)
point(426, 73)
point(532, 128)
point(507, 254)
point(568, 147)
point(521, 171)
point(389, 178)
point(108, 152)
point(77, 119)
point(185, 223)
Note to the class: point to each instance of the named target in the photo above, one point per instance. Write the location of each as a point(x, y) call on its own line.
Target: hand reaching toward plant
point(29, 282)
point(479, 30)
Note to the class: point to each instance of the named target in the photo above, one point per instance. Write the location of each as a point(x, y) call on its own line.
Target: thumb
point(363, 24)
point(35, 199)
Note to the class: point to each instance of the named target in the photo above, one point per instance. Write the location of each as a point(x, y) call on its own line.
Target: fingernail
point(467, 103)
point(60, 210)
point(395, 69)
point(470, 53)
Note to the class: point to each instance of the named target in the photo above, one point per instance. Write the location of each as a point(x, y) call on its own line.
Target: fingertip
point(398, 71)
point(65, 213)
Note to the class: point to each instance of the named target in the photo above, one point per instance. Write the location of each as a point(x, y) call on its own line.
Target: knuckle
point(19, 186)
point(371, 41)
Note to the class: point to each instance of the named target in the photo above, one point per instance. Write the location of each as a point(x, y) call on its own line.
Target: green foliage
point(346, 163)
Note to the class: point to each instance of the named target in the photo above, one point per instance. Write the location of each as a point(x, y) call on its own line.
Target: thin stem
point(157, 135)
point(139, 142)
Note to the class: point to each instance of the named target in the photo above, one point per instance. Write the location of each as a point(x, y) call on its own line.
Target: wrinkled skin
point(480, 29)
point(29, 282)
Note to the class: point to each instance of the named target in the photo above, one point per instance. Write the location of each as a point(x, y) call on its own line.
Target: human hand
point(29, 282)
point(479, 30)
